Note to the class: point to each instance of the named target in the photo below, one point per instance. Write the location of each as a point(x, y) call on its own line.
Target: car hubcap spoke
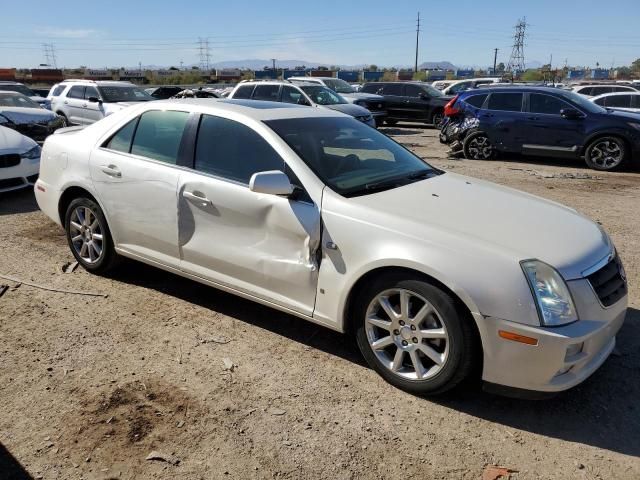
point(606, 154)
point(86, 234)
point(406, 333)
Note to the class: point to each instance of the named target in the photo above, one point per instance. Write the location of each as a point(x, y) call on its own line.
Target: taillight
point(449, 109)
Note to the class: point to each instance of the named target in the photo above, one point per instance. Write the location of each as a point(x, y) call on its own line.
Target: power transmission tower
point(49, 51)
point(205, 55)
point(417, 43)
point(516, 61)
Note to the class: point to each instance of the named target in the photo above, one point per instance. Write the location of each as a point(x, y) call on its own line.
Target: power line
point(516, 61)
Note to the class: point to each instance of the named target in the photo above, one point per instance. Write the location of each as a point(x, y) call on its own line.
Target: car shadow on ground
point(398, 132)
point(602, 412)
point(10, 468)
point(18, 201)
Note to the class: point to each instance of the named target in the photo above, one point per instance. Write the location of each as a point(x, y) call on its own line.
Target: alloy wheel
point(437, 120)
point(607, 154)
point(406, 333)
point(86, 234)
point(480, 148)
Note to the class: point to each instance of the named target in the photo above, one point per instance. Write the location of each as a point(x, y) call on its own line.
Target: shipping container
point(372, 76)
point(350, 76)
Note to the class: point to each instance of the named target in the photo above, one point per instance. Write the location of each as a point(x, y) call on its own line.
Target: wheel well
point(348, 316)
point(626, 142)
point(68, 196)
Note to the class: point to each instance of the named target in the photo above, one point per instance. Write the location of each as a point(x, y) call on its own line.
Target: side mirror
point(94, 100)
point(570, 114)
point(424, 96)
point(272, 182)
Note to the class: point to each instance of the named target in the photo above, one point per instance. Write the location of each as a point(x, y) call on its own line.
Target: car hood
point(486, 218)
point(38, 99)
point(349, 109)
point(21, 115)
point(624, 115)
point(371, 97)
point(14, 142)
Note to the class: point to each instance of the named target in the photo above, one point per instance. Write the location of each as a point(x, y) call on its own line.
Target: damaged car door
point(262, 244)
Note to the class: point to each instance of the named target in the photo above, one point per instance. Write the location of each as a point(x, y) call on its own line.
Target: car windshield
point(323, 95)
point(351, 157)
point(581, 101)
point(338, 85)
point(17, 100)
point(18, 88)
point(123, 93)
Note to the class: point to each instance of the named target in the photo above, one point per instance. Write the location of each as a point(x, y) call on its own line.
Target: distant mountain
point(443, 65)
point(258, 64)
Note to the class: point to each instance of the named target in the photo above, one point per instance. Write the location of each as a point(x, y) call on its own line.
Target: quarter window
point(243, 92)
point(266, 92)
point(121, 141)
point(545, 104)
point(231, 150)
point(506, 102)
point(159, 134)
point(58, 90)
point(476, 100)
point(76, 91)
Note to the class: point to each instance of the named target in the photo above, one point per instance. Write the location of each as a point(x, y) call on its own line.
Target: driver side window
point(293, 95)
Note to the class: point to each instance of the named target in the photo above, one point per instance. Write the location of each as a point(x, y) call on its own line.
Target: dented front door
point(263, 245)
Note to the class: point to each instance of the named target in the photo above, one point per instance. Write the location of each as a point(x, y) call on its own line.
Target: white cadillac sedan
point(314, 213)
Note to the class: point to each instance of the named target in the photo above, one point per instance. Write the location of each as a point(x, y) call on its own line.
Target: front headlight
point(32, 154)
point(552, 296)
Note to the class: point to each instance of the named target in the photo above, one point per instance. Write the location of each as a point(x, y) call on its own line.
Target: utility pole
point(417, 43)
point(495, 59)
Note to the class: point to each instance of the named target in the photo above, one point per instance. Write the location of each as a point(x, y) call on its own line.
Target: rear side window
point(547, 104)
point(243, 92)
point(620, 101)
point(506, 102)
point(620, 89)
point(392, 89)
point(600, 90)
point(76, 91)
point(266, 92)
point(635, 101)
point(231, 150)
point(476, 100)
point(159, 134)
point(121, 141)
point(58, 90)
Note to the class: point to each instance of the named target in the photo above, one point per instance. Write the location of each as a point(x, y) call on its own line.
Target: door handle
point(533, 118)
point(488, 115)
point(84, 105)
point(111, 170)
point(197, 197)
point(66, 103)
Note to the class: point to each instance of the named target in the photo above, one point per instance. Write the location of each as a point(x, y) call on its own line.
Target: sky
point(118, 33)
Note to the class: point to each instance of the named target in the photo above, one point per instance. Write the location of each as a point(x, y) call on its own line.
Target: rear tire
point(391, 123)
point(65, 119)
point(420, 353)
point(477, 146)
point(88, 235)
point(437, 118)
point(606, 154)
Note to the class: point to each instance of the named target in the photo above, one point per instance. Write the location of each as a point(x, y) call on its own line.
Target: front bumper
point(548, 366)
point(20, 176)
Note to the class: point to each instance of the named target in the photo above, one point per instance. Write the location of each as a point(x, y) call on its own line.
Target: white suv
point(83, 102)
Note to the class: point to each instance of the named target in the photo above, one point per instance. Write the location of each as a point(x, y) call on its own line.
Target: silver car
point(309, 94)
point(311, 212)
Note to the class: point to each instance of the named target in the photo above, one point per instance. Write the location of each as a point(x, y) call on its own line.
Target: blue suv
point(540, 121)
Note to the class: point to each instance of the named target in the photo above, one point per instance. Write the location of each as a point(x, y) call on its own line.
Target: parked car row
point(540, 121)
point(312, 212)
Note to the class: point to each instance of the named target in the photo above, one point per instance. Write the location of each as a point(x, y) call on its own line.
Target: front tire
point(88, 235)
point(476, 146)
point(414, 334)
point(606, 154)
point(436, 119)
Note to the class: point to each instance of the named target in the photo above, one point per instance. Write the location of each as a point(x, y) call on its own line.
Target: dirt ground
point(90, 386)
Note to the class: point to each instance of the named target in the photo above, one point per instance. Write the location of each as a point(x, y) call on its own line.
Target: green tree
point(501, 67)
point(373, 68)
point(532, 75)
point(635, 66)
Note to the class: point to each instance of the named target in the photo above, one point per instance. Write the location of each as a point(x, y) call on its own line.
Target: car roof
point(10, 82)
point(511, 89)
point(615, 94)
point(256, 109)
point(278, 82)
point(113, 83)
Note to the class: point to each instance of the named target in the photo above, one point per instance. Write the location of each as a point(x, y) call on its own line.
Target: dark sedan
point(22, 114)
point(410, 101)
